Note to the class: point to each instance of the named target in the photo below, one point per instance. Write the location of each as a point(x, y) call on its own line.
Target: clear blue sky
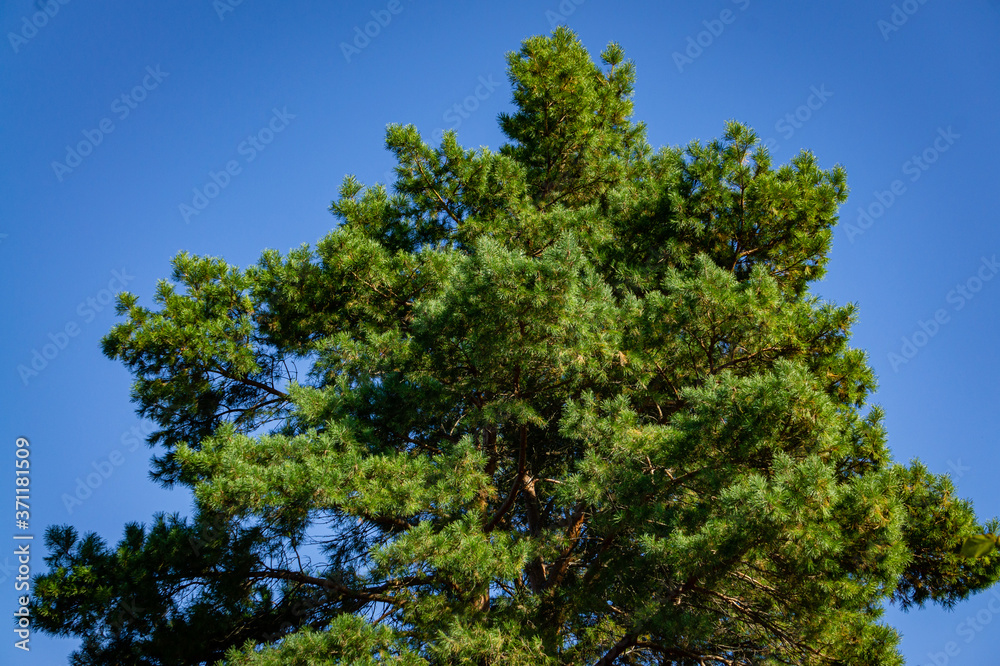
point(903, 95)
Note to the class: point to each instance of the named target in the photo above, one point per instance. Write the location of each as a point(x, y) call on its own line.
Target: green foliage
point(979, 545)
point(570, 402)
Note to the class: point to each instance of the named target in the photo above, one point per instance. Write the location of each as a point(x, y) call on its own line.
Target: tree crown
point(567, 402)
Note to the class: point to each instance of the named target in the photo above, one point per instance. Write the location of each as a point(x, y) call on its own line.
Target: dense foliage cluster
point(571, 402)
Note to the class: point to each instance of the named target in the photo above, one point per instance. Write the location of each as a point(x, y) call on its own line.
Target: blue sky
point(262, 108)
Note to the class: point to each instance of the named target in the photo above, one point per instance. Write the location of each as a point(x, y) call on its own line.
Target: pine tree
point(571, 402)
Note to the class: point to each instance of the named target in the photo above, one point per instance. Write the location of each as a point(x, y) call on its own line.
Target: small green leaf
point(979, 545)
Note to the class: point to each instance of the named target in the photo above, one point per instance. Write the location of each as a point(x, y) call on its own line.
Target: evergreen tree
point(571, 402)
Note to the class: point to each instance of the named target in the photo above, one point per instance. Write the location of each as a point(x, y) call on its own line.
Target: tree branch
point(514, 489)
point(626, 641)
